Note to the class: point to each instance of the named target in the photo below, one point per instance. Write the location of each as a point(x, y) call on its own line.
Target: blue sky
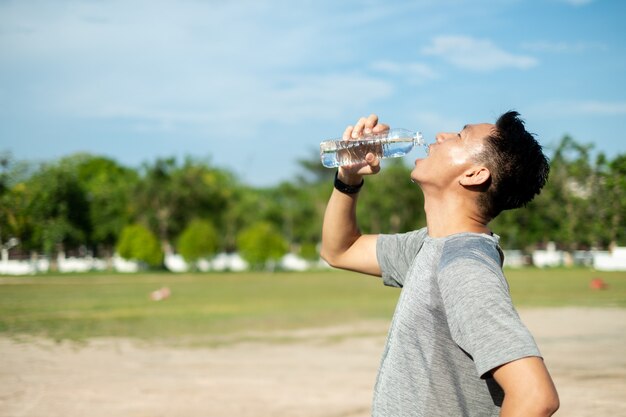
point(255, 85)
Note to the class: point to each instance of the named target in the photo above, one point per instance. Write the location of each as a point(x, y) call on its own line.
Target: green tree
point(198, 240)
point(107, 187)
point(155, 198)
point(390, 202)
point(291, 208)
point(58, 209)
point(14, 218)
point(140, 244)
point(612, 191)
point(168, 195)
point(570, 185)
point(313, 172)
point(244, 207)
point(309, 251)
point(15, 221)
point(525, 227)
point(261, 243)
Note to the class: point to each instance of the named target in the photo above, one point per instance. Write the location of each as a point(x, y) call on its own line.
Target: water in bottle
point(389, 144)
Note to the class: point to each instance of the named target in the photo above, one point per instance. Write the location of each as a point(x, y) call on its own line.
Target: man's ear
point(475, 176)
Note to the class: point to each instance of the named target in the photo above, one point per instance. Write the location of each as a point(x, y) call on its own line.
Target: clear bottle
point(392, 143)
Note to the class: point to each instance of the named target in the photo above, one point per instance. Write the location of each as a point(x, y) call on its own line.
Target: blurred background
point(255, 85)
point(161, 194)
point(152, 119)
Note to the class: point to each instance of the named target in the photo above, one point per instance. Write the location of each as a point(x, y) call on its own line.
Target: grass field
point(205, 307)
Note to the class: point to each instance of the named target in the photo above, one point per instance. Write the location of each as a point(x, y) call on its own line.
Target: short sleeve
point(481, 316)
point(395, 254)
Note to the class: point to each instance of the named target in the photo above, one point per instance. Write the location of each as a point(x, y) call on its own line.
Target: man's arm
point(343, 245)
point(528, 388)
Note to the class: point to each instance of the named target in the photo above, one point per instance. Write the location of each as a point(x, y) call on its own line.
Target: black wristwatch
point(345, 188)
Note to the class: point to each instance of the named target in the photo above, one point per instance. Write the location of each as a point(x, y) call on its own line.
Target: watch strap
point(346, 188)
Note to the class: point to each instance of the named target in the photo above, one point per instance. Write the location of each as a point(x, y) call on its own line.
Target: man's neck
point(449, 216)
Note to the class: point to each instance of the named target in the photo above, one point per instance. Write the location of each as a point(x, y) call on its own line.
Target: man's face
point(451, 155)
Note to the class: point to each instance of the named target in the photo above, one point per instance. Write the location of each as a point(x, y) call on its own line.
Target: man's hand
point(343, 245)
point(352, 174)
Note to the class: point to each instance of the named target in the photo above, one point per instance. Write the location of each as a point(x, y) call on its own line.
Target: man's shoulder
point(414, 236)
point(471, 248)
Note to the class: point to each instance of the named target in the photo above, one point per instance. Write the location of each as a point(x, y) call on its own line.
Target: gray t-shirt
point(453, 324)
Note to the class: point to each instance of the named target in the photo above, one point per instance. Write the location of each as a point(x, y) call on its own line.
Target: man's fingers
point(380, 128)
point(364, 125)
point(373, 161)
point(370, 123)
point(358, 128)
point(347, 133)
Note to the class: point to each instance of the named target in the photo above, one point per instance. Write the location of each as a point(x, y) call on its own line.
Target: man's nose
point(441, 136)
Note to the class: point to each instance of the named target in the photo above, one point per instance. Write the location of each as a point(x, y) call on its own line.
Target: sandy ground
point(316, 372)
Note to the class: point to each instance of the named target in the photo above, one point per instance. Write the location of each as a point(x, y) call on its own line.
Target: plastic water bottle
point(392, 143)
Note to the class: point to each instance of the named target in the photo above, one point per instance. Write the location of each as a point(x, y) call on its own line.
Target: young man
point(456, 346)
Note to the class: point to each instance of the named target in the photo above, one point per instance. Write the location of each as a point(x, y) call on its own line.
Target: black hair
point(519, 169)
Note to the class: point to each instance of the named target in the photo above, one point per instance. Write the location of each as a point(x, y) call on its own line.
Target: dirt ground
point(313, 373)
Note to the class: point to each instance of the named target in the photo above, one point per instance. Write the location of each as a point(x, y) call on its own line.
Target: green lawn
point(204, 307)
point(565, 287)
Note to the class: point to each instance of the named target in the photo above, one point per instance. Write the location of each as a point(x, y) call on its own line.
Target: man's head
point(501, 165)
point(518, 168)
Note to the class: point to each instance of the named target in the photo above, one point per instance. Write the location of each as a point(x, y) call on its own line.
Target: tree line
point(89, 204)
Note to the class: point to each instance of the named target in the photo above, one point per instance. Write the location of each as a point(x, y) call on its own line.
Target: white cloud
point(216, 106)
point(563, 47)
point(577, 3)
point(560, 108)
point(598, 108)
point(476, 54)
point(414, 72)
point(201, 64)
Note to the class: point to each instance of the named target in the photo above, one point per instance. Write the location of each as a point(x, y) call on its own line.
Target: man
point(456, 346)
